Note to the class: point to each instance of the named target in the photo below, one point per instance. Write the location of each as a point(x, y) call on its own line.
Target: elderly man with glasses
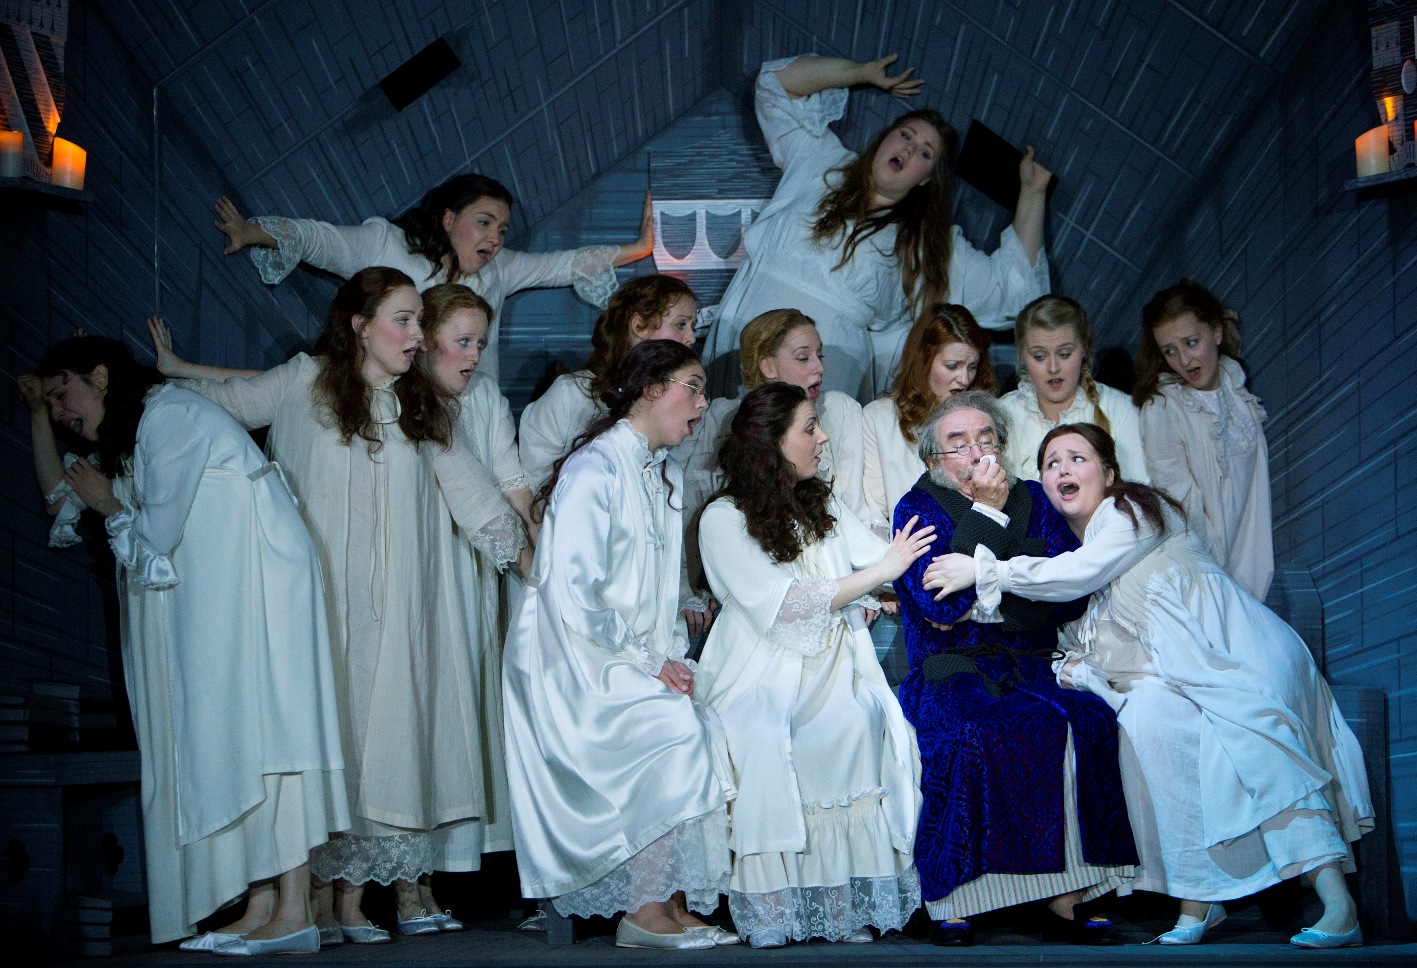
point(1022, 793)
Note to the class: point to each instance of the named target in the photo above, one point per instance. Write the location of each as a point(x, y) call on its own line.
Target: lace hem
point(833, 913)
point(144, 566)
point(593, 273)
point(275, 264)
point(805, 617)
point(692, 857)
point(401, 857)
point(61, 532)
point(501, 539)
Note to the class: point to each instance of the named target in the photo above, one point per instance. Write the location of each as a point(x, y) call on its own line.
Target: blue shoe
point(1314, 938)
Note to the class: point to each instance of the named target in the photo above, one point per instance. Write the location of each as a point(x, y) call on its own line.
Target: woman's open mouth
point(1067, 489)
point(815, 390)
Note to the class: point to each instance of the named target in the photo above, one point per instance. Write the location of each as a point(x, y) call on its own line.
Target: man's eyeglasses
point(986, 446)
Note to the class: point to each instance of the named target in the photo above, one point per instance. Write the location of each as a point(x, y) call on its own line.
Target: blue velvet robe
point(992, 766)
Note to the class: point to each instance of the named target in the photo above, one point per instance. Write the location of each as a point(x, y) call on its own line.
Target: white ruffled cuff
point(145, 566)
point(990, 581)
point(501, 539)
point(1036, 274)
point(593, 273)
point(61, 532)
point(805, 617)
point(512, 484)
point(813, 112)
point(275, 264)
point(697, 602)
point(646, 658)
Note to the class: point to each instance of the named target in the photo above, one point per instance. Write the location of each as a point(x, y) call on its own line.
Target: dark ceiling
point(1131, 104)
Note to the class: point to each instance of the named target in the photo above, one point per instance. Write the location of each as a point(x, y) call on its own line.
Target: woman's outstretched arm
point(810, 73)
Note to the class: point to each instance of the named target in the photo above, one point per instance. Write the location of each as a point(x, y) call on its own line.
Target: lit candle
point(69, 161)
point(12, 154)
point(1371, 149)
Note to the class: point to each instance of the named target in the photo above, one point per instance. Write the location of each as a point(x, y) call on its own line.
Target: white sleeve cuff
point(990, 580)
point(146, 567)
point(992, 513)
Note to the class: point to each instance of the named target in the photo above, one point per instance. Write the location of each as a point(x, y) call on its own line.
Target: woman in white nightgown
point(366, 442)
point(863, 243)
point(455, 325)
point(1238, 769)
point(454, 234)
point(618, 775)
point(783, 345)
point(1203, 429)
point(827, 768)
point(225, 648)
point(946, 353)
point(1054, 339)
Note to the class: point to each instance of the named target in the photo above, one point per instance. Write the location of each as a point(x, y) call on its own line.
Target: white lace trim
point(144, 566)
point(512, 484)
point(275, 264)
point(1239, 418)
point(805, 616)
point(692, 857)
point(61, 532)
point(650, 661)
point(501, 539)
point(866, 799)
point(696, 602)
point(401, 857)
point(593, 273)
point(833, 912)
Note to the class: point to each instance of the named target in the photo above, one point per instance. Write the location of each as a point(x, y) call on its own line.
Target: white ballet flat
point(771, 938)
point(331, 937)
point(365, 934)
point(1192, 933)
point(210, 941)
point(425, 923)
point(302, 942)
point(628, 935)
point(446, 922)
point(859, 936)
point(719, 935)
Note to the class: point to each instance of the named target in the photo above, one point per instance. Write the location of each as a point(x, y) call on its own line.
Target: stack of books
point(94, 923)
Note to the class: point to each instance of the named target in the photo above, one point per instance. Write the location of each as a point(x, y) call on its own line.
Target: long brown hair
point(1186, 296)
point(1130, 497)
point(782, 513)
point(124, 397)
point(923, 218)
point(1050, 313)
point(340, 385)
point(647, 364)
point(939, 326)
point(647, 297)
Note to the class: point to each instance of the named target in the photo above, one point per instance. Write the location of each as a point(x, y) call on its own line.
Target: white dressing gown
point(1028, 427)
point(227, 658)
point(619, 784)
point(860, 309)
point(346, 249)
point(1207, 449)
point(382, 520)
point(828, 772)
point(1238, 769)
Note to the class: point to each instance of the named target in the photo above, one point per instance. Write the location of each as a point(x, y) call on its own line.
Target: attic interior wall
point(1206, 139)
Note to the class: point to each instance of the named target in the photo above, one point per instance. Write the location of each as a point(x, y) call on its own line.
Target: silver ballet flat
point(628, 935)
point(1192, 933)
point(331, 936)
point(1314, 938)
point(210, 941)
point(446, 922)
point(425, 923)
point(304, 941)
point(365, 934)
point(719, 935)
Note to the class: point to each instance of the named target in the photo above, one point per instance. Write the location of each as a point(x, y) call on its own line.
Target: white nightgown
point(1238, 769)
point(346, 249)
point(227, 659)
point(1028, 427)
point(381, 520)
point(1206, 448)
point(890, 464)
point(828, 772)
point(861, 310)
point(485, 426)
point(619, 784)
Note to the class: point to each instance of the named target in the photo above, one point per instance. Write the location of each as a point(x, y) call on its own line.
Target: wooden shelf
point(29, 185)
point(1386, 178)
